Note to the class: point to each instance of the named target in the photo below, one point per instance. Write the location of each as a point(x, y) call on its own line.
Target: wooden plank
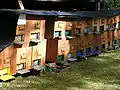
point(28, 27)
point(39, 52)
point(97, 37)
point(51, 50)
point(7, 56)
point(21, 55)
point(82, 43)
point(96, 40)
point(20, 29)
point(24, 56)
point(42, 30)
point(28, 58)
point(13, 61)
point(8, 59)
point(59, 25)
point(118, 34)
point(104, 34)
point(1, 59)
point(82, 37)
point(49, 28)
point(118, 20)
point(38, 26)
point(69, 25)
point(36, 51)
point(63, 46)
point(34, 54)
point(30, 17)
point(73, 47)
point(42, 51)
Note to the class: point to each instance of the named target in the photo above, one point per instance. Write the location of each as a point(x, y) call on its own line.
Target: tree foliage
point(111, 4)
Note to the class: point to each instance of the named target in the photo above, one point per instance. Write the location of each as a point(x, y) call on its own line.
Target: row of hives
point(38, 40)
point(87, 36)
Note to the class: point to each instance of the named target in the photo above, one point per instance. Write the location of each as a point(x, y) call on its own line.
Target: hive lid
point(6, 77)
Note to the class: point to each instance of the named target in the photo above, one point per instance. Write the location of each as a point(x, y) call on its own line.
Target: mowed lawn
point(96, 73)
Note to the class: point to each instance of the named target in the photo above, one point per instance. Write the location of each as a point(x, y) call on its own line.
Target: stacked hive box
point(28, 50)
point(37, 41)
point(80, 38)
point(7, 61)
point(32, 47)
point(41, 39)
point(51, 45)
point(109, 32)
point(75, 37)
point(21, 44)
point(96, 35)
point(70, 37)
point(118, 29)
point(63, 44)
point(103, 34)
point(88, 36)
point(114, 31)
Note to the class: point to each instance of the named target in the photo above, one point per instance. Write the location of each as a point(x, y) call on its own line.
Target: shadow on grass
point(96, 73)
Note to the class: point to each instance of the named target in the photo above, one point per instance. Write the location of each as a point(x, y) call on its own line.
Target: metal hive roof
point(79, 14)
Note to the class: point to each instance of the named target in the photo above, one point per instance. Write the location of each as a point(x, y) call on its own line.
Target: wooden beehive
point(117, 27)
point(104, 34)
point(96, 32)
point(6, 59)
point(23, 58)
point(37, 41)
point(79, 34)
point(39, 52)
point(116, 20)
point(21, 43)
point(67, 45)
point(59, 32)
point(88, 35)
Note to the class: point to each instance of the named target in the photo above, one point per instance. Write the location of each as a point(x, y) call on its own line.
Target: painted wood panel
point(28, 28)
point(39, 52)
point(13, 61)
point(24, 56)
point(1, 59)
point(28, 58)
point(21, 55)
point(96, 40)
point(49, 28)
point(69, 25)
point(52, 50)
point(20, 30)
point(42, 51)
point(7, 59)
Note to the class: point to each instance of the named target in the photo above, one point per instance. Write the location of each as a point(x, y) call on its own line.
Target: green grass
point(96, 73)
